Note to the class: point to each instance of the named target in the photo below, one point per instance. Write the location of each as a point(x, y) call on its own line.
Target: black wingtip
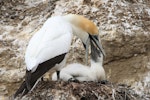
point(25, 86)
point(22, 90)
point(28, 79)
point(31, 78)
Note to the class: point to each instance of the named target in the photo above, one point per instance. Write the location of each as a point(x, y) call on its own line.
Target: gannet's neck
point(97, 64)
point(97, 68)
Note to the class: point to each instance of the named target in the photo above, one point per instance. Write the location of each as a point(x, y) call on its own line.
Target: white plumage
point(48, 47)
point(95, 72)
point(48, 42)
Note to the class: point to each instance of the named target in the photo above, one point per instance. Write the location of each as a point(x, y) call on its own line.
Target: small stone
point(134, 71)
point(3, 90)
point(148, 65)
point(3, 8)
point(21, 17)
point(135, 55)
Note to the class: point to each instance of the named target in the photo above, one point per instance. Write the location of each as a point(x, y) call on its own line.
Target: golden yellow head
point(83, 23)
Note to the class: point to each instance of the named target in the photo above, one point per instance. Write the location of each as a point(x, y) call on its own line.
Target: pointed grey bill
point(87, 50)
point(97, 43)
point(95, 52)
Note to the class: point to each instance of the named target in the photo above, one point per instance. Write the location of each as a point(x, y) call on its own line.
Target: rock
point(3, 90)
point(4, 98)
point(124, 32)
point(11, 76)
point(148, 65)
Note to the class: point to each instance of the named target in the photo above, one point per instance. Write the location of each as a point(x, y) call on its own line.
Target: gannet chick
point(80, 72)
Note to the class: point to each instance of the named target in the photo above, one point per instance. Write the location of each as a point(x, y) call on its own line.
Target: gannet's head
point(86, 30)
point(82, 23)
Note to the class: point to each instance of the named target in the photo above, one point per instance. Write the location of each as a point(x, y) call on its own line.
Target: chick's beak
point(96, 46)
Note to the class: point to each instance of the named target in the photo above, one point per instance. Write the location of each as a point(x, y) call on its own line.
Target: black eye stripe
point(95, 36)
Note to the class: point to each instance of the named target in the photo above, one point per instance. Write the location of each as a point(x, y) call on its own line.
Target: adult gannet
point(48, 47)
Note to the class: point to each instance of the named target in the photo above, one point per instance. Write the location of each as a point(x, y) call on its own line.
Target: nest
point(60, 90)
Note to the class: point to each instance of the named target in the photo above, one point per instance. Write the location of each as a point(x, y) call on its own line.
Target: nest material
point(81, 91)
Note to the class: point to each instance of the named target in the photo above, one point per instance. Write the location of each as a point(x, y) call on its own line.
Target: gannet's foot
point(73, 80)
point(104, 81)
